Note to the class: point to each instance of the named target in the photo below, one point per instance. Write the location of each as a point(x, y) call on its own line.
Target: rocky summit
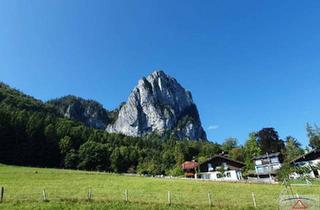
point(159, 104)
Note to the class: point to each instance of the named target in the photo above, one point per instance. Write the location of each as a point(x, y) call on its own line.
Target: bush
point(176, 171)
point(94, 156)
point(71, 160)
point(284, 172)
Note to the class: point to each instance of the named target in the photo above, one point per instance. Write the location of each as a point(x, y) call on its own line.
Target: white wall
point(306, 164)
point(230, 175)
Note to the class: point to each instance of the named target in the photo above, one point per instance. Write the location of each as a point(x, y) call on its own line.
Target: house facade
point(220, 168)
point(311, 160)
point(266, 167)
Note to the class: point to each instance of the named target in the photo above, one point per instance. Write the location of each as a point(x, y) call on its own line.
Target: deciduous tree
point(268, 141)
point(313, 133)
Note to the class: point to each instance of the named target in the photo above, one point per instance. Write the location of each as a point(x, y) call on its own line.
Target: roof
point(189, 165)
point(223, 157)
point(312, 155)
point(276, 154)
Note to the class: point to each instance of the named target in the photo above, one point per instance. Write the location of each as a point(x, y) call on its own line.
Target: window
point(274, 160)
point(210, 168)
point(261, 170)
point(258, 162)
point(264, 169)
point(219, 175)
point(228, 174)
point(224, 165)
point(205, 176)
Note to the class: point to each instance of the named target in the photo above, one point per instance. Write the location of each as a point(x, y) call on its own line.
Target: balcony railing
point(267, 169)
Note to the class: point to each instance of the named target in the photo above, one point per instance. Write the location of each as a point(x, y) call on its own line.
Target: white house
point(310, 160)
point(220, 168)
point(266, 167)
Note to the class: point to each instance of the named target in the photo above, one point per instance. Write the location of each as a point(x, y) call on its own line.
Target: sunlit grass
point(67, 189)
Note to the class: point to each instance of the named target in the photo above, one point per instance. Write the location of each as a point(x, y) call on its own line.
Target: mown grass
point(67, 189)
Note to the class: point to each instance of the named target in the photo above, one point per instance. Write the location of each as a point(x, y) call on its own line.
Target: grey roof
point(315, 152)
point(223, 157)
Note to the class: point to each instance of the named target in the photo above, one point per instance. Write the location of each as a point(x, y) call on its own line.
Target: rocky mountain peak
point(159, 104)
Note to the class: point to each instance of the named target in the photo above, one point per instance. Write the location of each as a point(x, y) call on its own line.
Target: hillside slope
point(34, 133)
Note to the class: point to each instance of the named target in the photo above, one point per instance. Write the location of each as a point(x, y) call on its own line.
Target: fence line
point(203, 199)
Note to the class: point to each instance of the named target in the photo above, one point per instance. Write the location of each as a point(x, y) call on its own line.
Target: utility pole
point(269, 167)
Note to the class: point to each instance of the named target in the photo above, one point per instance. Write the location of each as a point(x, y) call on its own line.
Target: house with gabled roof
point(220, 168)
point(311, 160)
point(266, 167)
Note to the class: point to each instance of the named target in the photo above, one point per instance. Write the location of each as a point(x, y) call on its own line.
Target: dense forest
point(33, 133)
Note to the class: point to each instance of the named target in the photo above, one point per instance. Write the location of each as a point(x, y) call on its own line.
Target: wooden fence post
point(44, 195)
point(169, 197)
point(254, 200)
point(126, 195)
point(89, 194)
point(209, 199)
point(1, 194)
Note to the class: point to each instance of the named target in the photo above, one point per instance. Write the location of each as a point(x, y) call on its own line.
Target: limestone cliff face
point(159, 104)
point(89, 112)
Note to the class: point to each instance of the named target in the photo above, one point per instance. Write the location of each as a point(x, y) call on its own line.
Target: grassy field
point(68, 189)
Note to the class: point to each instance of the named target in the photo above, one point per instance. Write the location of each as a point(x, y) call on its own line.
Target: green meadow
point(68, 189)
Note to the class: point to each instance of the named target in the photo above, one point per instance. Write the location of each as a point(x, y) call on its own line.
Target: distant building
point(310, 160)
point(189, 168)
point(220, 168)
point(266, 167)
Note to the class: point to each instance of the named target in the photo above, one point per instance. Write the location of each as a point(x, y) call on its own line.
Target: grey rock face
point(159, 104)
point(89, 112)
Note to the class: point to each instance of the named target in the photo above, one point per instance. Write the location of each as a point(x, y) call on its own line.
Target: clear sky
point(248, 64)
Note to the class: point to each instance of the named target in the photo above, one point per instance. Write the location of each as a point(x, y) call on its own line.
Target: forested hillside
point(33, 133)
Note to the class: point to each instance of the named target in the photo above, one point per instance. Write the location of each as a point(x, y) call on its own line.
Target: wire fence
point(52, 194)
point(144, 195)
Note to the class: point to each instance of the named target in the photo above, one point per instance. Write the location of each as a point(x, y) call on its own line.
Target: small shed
point(190, 168)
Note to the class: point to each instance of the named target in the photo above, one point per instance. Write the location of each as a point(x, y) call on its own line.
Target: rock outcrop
point(89, 112)
point(159, 104)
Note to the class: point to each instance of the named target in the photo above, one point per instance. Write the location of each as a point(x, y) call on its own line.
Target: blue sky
point(248, 64)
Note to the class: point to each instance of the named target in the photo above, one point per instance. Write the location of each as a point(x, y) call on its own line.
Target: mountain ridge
point(159, 104)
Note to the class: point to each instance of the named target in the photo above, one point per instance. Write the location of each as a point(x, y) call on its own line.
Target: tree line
point(33, 134)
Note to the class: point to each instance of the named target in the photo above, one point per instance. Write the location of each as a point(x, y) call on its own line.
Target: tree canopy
point(268, 140)
point(313, 133)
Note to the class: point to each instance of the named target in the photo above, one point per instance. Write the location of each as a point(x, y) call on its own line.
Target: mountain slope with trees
point(34, 133)
point(89, 112)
